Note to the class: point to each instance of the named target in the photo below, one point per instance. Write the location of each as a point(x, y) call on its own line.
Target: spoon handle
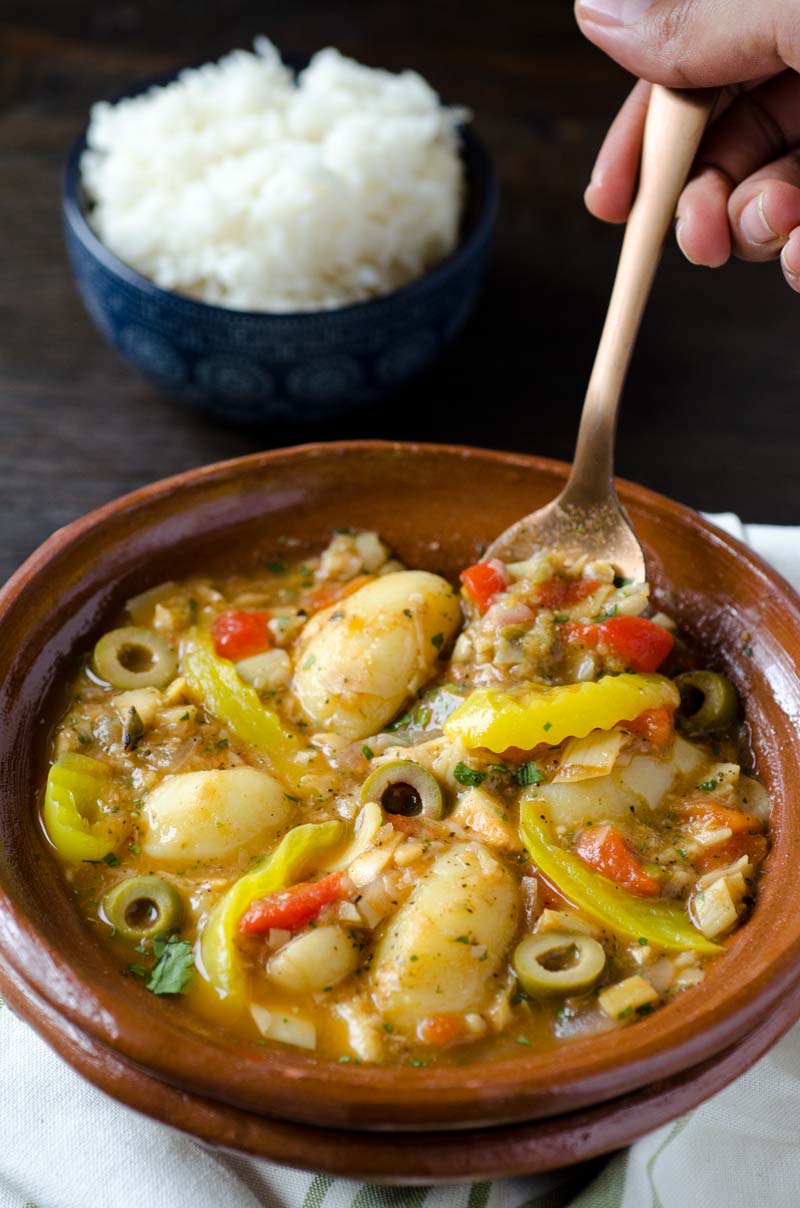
point(673, 128)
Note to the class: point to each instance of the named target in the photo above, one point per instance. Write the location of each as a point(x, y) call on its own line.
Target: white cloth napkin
point(64, 1144)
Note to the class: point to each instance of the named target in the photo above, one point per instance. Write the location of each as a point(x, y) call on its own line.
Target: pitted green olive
point(558, 962)
point(709, 701)
point(141, 907)
point(404, 787)
point(134, 658)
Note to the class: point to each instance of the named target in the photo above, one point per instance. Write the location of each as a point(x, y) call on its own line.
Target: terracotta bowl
point(435, 506)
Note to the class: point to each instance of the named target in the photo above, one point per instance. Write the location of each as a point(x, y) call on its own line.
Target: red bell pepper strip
point(290, 909)
point(656, 726)
point(483, 582)
point(723, 854)
point(237, 634)
point(440, 1029)
point(640, 643)
point(561, 593)
point(604, 849)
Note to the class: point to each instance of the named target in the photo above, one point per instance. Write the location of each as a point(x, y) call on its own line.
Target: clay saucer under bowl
point(436, 506)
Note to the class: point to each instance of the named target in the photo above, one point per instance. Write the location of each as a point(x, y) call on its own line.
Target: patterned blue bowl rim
point(481, 191)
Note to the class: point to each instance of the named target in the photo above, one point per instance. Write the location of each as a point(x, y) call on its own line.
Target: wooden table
point(711, 413)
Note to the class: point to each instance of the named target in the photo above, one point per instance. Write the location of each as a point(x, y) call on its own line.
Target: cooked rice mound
point(241, 186)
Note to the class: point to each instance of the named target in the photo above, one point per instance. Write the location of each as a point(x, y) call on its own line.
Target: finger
point(790, 260)
point(758, 127)
point(765, 209)
point(611, 189)
point(702, 228)
point(697, 43)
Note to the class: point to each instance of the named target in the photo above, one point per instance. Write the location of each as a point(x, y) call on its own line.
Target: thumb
point(695, 43)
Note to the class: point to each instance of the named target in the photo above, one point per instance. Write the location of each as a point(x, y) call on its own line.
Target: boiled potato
point(316, 959)
point(360, 661)
point(208, 815)
point(448, 940)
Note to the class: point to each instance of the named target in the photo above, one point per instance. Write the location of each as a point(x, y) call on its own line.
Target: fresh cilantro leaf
point(528, 774)
point(174, 968)
point(468, 776)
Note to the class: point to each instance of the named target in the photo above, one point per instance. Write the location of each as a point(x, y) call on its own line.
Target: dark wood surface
point(712, 410)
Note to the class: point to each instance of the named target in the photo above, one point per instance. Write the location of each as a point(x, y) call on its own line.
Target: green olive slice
point(558, 962)
point(141, 907)
point(134, 658)
point(709, 701)
point(404, 787)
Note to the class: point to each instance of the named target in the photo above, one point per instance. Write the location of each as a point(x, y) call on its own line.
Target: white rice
point(238, 186)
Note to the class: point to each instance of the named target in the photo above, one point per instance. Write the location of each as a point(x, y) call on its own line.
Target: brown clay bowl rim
point(702, 1022)
point(404, 1158)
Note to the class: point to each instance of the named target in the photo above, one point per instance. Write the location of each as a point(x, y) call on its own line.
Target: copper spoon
point(587, 517)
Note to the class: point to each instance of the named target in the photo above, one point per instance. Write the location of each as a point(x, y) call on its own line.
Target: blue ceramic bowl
point(252, 367)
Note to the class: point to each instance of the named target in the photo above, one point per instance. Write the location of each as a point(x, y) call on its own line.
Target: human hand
point(744, 194)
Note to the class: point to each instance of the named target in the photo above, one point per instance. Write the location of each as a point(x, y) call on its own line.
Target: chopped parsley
point(276, 568)
point(437, 640)
point(174, 966)
point(621, 581)
point(548, 725)
point(468, 776)
point(708, 786)
point(400, 722)
point(367, 752)
point(111, 860)
point(528, 774)
point(521, 1040)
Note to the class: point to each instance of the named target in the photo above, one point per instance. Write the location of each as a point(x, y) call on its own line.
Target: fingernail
point(678, 226)
point(613, 12)
point(754, 225)
point(790, 272)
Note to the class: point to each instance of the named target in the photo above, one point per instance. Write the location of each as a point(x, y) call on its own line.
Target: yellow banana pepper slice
point(531, 714)
point(661, 921)
point(293, 858)
point(75, 786)
point(237, 705)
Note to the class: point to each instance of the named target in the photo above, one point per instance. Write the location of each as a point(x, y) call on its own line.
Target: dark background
point(711, 413)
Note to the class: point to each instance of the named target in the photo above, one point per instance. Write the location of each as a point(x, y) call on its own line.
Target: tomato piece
point(604, 849)
point(291, 908)
point(439, 1029)
point(642, 644)
point(723, 854)
point(332, 593)
point(239, 634)
point(561, 593)
point(656, 726)
point(483, 582)
point(710, 813)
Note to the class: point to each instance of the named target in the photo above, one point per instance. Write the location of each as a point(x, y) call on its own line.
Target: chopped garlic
point(626, 997)
point(145, 701)
point(715, 909)
point(563, 920)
